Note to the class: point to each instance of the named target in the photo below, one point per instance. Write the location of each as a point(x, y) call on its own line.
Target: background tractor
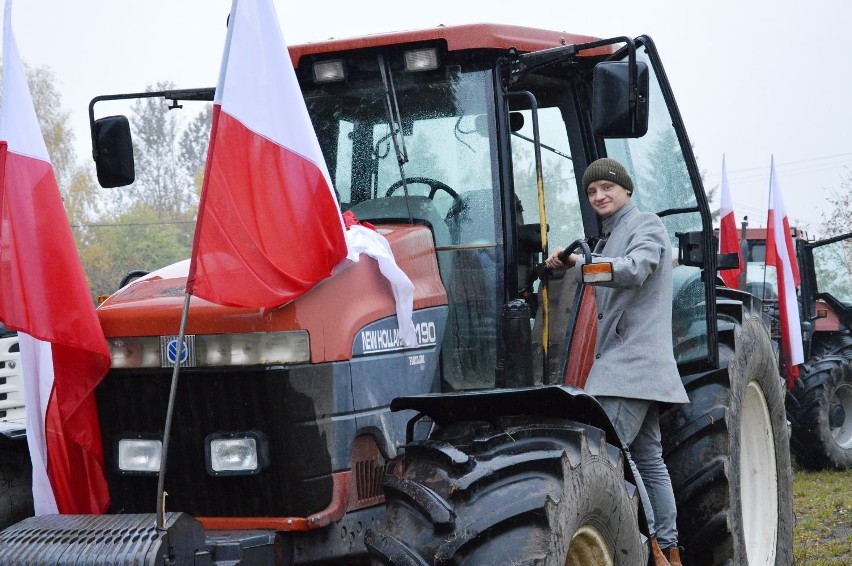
point(819, 406)
point(308, 434)
point(16, 501)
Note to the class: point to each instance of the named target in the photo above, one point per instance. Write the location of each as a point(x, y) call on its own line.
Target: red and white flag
point(729, 241)
point(780, 253)
point(269, 227)
point(44, 296)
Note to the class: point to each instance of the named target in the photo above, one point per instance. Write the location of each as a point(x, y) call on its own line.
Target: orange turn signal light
point(597, 272)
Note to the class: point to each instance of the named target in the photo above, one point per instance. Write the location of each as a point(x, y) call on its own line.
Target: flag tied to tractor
point(269, 227)
point(780, 253)
point(729, 241)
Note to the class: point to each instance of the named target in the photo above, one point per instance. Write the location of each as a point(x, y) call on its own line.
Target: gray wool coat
point(633, 356)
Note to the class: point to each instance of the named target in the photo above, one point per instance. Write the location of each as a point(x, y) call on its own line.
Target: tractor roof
point(470, 36)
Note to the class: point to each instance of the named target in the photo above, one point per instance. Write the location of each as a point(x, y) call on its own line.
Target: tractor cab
point(826, 280)
point(485, 146)
point(829, 280)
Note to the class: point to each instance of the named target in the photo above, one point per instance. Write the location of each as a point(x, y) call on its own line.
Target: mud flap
point(99, 539)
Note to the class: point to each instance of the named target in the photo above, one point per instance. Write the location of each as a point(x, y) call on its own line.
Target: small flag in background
point(44, 296)
point(729, 241)
point(780, 253)
point(269, 227)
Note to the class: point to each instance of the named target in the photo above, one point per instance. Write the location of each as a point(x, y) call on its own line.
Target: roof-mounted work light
point(421, 60)
point(329, 71)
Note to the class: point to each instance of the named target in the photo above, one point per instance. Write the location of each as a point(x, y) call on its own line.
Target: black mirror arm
point(175, 96)
point(524, 63)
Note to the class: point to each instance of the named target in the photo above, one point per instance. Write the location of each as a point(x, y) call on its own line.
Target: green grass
point(822, 504)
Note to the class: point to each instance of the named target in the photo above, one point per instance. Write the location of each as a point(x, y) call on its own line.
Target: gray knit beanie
point(610, 170)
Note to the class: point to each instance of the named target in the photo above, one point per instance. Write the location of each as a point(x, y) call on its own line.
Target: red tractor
point(475, 446)
point(819, 406)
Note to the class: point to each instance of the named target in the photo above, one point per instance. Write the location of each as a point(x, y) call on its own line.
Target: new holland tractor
point(307, 433)
point(819, 405)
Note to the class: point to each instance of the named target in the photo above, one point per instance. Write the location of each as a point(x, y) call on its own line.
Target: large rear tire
point(516, 492)
point(820, 407)
point(728, 450)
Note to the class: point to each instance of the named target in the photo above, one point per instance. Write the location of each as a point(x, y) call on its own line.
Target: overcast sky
point(752, 78)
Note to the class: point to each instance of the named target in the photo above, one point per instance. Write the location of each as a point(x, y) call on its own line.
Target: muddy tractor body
point(307, 433)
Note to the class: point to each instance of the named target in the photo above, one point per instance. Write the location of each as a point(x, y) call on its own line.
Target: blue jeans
point(637, 422)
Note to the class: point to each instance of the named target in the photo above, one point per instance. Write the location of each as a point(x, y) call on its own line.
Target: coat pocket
point(621, 326)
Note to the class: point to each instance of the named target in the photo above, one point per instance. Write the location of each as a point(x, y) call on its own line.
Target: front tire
point(516, 492)
point(820, 408)
point(728, 450)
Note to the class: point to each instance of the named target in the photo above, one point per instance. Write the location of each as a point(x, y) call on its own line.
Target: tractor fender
point(560, 401)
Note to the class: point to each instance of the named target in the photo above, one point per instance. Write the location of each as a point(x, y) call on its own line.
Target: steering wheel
point(434, 186)
point(132, 276)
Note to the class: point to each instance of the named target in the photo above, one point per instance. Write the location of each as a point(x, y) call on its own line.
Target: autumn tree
point(193, 146)
point(838, 218)
point(76, 183)
point(153, 222)
point(147, 225)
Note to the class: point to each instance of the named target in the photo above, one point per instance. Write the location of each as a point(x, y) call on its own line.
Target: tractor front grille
point(297, 425)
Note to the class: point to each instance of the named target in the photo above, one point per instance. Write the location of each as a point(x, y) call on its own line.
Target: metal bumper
point(104, 539)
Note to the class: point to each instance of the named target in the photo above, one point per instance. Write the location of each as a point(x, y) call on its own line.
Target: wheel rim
point(758, 478)
point(840, 424)
point(588, 547)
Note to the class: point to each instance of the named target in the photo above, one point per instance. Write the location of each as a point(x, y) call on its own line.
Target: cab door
point(827, 282)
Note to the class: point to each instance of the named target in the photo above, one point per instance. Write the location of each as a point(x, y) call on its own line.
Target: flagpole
point(766, 239)
point(161, 479)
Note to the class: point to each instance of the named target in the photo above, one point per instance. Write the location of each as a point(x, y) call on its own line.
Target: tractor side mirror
point(619, 111)
point(113, 151)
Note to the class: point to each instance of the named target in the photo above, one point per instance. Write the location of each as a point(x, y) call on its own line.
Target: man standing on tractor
point(634, 368)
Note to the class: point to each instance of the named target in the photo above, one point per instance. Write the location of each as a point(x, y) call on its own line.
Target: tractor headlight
point(257, 348)
point(237, 453)
point(135, 352)
point(139, 455)
point(211, 350)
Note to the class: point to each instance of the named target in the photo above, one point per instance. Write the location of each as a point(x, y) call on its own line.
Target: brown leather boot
point(657, 554)
point(673, 556)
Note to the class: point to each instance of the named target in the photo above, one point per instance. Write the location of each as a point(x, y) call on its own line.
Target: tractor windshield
point(761, 279)
point(833, 270)
point(446, 122)
point(444, 130)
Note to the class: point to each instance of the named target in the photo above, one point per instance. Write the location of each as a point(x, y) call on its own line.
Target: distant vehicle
point(819, 406)
point(16, 500)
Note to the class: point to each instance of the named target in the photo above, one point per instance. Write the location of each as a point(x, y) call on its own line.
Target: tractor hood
point(332, 312)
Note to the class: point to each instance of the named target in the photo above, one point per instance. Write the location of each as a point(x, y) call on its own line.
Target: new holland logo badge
point(169, 351)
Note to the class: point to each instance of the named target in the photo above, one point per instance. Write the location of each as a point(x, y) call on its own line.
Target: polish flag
point(269, 227)
point(729, 241)
point(780, 253)
point(44, 296)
